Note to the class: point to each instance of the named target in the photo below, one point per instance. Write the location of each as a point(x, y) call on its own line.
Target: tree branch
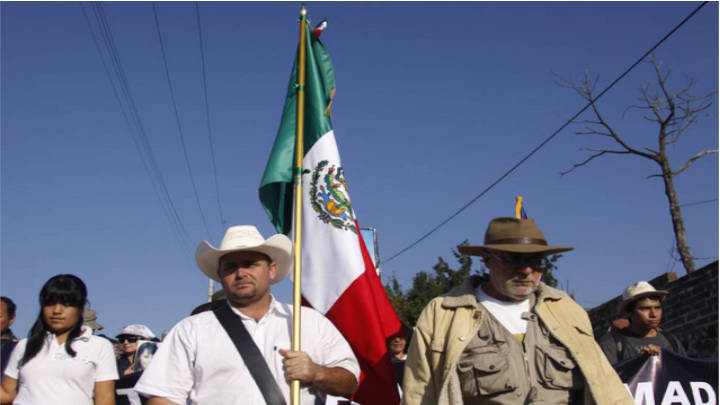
point(592, 131)
point(599, 152)
point(617, 138)
point(693, 159)
point(689, 115)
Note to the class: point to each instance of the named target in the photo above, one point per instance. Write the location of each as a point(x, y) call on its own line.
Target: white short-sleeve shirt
point(53, 377)
point(198, 361)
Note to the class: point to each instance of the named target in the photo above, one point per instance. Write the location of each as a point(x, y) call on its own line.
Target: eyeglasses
point(129, 339)
point(521, 261)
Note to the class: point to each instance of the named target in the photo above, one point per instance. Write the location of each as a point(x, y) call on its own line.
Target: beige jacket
point(448, 323)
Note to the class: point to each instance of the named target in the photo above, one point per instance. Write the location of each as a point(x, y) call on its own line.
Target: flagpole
point(299, 153)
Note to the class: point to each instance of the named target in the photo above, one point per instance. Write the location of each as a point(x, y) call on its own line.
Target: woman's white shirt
point(53, 377)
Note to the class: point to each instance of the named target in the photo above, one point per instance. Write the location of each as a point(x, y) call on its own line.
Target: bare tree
point(674, 113)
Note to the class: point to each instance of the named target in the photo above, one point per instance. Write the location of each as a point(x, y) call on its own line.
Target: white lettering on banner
point(702, 394)
point(643, 393)
point(674, 394)
point(696, 387)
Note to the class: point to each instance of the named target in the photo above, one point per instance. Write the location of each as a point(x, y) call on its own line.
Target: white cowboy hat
point(246, 238)
point(638, 290)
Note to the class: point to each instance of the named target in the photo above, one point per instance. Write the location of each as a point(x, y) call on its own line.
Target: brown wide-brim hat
point(507, 234)
point(90, 319)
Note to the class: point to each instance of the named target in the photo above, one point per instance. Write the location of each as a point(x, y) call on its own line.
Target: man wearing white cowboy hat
point(642, 305)
point(202, 360)
point(507, 338)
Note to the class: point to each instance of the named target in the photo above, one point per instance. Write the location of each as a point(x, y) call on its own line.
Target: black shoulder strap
point(250, 354)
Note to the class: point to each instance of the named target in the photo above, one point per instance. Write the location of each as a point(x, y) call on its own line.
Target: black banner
point(670, 378)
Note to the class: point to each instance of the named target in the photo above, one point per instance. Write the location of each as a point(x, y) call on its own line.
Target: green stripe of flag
point(276, 186)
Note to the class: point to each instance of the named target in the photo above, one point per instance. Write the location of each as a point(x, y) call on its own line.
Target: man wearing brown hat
point(508, 338)
point(237, 353)
point(642, 306)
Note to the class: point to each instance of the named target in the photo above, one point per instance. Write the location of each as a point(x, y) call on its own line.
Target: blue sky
point(434, 102)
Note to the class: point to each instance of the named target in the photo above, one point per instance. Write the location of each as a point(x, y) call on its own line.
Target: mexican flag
point(338, 275)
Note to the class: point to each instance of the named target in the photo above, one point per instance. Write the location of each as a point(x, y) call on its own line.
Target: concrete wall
point(690, 311)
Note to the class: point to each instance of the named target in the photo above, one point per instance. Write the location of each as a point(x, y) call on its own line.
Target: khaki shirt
point(448, 324)
point(496, 368)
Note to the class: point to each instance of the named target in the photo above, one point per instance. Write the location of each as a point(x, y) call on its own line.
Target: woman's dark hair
point(10, 306)
point(65, 289)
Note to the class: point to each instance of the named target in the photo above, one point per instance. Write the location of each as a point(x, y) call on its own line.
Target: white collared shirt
point(54, 377)
point(197, 359)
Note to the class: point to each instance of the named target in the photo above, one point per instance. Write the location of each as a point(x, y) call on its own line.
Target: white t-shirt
point(198, 361)
point(52, 377)
point(509, 314)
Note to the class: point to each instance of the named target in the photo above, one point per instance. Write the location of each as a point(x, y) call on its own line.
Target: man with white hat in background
point(204, 359)
point(507, 338)
point(642, 305)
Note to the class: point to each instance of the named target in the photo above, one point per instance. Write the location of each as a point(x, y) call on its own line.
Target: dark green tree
point(427, 285)
point(550, 267)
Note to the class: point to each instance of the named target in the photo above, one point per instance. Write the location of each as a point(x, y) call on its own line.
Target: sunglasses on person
point(129, 339)
point(520, 261)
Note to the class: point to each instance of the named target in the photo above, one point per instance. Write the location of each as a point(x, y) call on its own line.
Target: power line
point(207, 116)
point(690, 204)
point(177, 120)
point(141, 140)
point(548, 139)
point(122, 92)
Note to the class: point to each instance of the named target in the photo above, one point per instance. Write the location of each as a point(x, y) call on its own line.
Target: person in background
point(219, 298)
point(90, 320)
point(117, 347)
point(396, 346)
point(128, 338)
point(508, 338)
point(61, 362)
point(642, 306)
point(8, 339)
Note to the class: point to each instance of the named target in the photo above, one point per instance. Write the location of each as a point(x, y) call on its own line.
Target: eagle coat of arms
point(329, 199)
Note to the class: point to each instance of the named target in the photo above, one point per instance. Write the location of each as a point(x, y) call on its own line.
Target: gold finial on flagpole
point(303, 10)
point(518, 207)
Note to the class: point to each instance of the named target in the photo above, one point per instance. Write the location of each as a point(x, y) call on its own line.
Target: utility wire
point(207, 116)
point(548, 139)
point(142, 139)
point(690, 204)
point(122, 92)
point(177, 120)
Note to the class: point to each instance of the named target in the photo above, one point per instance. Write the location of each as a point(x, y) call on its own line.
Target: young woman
point(61, 362)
